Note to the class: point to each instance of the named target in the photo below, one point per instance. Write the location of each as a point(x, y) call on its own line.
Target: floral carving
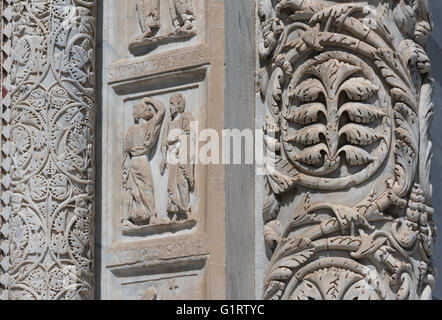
point(331, 113)
point(50, 151)
point(348, 90)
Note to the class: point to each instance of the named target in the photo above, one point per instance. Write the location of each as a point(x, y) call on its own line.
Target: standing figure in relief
point(181, 13)
point(148, 12)
point(139, 196)
point(181, 180)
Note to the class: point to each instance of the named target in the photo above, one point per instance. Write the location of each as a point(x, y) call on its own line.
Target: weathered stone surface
point(348, 94)
point(162, 223)
point(343, 203)
point(48, 162)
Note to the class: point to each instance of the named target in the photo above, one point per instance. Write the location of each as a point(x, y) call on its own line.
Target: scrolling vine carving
point(48, 150)
point(348, 91)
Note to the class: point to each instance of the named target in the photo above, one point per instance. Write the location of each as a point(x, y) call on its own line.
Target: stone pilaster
point(348, 94)
point(48, 150)
point(5, 45)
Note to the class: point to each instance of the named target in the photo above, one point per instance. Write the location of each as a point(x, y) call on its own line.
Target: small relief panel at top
point(157, 190)
point(152, 23)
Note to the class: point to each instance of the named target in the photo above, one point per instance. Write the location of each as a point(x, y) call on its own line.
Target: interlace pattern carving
point(48, 153)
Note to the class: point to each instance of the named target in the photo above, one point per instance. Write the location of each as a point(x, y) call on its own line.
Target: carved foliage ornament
point(348, 91)
point(48, 183)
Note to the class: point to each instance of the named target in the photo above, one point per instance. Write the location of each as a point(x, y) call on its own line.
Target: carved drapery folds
point(48, 150)
point(158, 239)
point(155, 30)
point(348, 92)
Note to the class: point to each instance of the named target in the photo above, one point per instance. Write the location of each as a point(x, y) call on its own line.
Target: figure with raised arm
point(140, 139)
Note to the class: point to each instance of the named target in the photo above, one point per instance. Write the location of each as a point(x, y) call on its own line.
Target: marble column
point(348, 97)
point(48, 150)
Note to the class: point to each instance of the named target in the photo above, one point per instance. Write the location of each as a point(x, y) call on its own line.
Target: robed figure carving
point(177, 139)
point(140, 139)
point(182, 15)
point(148, 12)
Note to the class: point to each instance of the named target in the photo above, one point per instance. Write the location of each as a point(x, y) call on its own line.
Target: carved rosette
point(48, 150)
point(348, 94)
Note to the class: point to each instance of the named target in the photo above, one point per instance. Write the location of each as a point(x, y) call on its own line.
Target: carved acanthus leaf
point(281, 175)
point(359, 89)
point(310, 135)
point(404, 17)
point(301, 215)
point(369, 244)
point(309, 90)
point(271, 207)
point(272, 234)
point(290, 254)
point(393, 71)
point(362, 113)
point(356, 156)
point(359, 135)
point(307, 113)
point(312, 155)
point(338, 12)
point(426, 107)
point(414, 55)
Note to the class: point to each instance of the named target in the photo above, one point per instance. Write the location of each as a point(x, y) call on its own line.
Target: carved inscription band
point(48, 172)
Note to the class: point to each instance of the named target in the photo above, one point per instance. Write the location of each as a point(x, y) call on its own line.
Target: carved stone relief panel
point(153, 23)
point(154, 199)
point(157, 195)
point(160, 270)
point(347, 91)
point(158, 208)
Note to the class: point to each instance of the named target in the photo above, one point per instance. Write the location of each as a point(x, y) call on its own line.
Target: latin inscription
point(130, 69)
point(161, 252)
